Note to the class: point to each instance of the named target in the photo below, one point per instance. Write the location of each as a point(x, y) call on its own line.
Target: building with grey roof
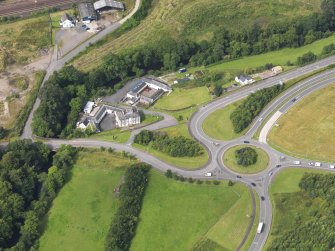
point(107, 5)
point(87, 12)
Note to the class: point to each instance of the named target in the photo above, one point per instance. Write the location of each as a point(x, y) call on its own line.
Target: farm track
point(28, 6)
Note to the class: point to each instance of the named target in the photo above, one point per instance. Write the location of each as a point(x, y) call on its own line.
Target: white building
point(88, 107)
point(244, 80)
point(66, 21)
point(277, 69)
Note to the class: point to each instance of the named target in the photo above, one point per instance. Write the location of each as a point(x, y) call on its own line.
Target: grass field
point(177, 216)
point(197, 20)
point(308, 129)
point(178, 130)
point(82, 212)
point(219, 126)
point(230, 161)
point(183, 98)
point(289, 203)
point(21, 41)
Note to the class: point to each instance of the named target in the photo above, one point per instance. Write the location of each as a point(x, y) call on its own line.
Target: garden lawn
point(308, 128)
point(229, 160)
point(82, 212)
point(177, 215)
point(183, 98)
point(289, 203)
point(219, 126)
point(115, 135)
point(182, 162)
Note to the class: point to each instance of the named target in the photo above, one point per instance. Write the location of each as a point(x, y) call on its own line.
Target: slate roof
point(108, 3)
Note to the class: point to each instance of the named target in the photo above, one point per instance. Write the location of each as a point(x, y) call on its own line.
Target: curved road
point(259, 182)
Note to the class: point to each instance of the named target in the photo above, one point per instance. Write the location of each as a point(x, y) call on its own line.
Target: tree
point(246, 156)
point(218, 90)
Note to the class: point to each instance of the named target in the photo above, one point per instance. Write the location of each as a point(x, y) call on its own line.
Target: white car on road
point(208, 174)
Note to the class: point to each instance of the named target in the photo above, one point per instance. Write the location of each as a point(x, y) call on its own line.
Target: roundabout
point(231, 162)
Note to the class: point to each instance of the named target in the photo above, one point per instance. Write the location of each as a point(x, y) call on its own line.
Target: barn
point(108, 5)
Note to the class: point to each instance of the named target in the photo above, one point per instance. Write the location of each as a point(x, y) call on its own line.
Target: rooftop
point(108, 3)
point(87, 10)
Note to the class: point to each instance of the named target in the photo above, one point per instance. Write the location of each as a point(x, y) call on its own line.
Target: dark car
point(254, 184)
point(246, 142)
point(238, 176)
point(293, 100)
point(278, 165)
point(262, 198)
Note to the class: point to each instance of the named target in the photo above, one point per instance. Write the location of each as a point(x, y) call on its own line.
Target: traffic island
point(238, 163)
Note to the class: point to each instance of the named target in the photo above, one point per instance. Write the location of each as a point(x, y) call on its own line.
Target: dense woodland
point(317, 233)
point(126, 218)
point(66, 92)
point(175, 147)
point(30, 177)
point(245, 113)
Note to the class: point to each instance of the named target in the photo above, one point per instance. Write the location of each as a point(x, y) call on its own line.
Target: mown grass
point(178, 130)
point(197, 20)
point(219, 126)
point(183, 98)
point(81, 214)
point(230, 161)
point(289, 203)
point(176, 215)
point(182, 162)
point(308, 129)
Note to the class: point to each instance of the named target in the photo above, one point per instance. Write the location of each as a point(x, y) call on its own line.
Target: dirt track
point(21, 7)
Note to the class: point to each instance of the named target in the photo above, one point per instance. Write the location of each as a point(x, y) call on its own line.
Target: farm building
point(107, 5)
point(89, 107)
point(87, 12)
point(244, 80)
point(67, 21)
point(146, 91)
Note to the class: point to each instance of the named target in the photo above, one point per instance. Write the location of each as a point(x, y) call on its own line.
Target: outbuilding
point(67, 21)
point(108, 5)
point(87, 12)
point(244, 80)
point(88, 107)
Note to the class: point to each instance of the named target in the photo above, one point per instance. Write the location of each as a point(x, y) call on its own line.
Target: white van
point(208, 174)
point(296, 162)
point(317, 164)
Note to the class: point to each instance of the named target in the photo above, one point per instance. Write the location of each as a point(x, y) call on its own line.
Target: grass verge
point(219, 126)
point(229, 161)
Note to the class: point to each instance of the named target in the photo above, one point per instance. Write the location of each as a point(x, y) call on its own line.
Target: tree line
point(175, 147)
point(125, 221)
point(246, 112)
point(318, 232)
point(30, 177)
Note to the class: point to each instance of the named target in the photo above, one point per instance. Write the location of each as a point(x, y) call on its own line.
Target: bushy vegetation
point(30, 180)
point(175, 147)
point(308, 57)
point(245, 113)
point(246, 156)
point(126, 219)
point(316, 233)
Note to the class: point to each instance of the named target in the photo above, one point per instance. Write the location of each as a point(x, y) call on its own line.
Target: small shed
point(88, 107)
point(277, 69)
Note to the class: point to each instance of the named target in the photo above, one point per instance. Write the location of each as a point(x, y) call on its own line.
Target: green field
point(197, 20)
point(219, 126)
point(178, 216)
point(308, 129)
point(289, 203)
point(178, 130)
point(229, 161)
point(82, 212)
point(183, 98)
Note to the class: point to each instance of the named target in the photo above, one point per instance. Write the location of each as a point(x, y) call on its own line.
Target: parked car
point(253, 184)
point(262, 198)
point(208, 174)
point(238, 176)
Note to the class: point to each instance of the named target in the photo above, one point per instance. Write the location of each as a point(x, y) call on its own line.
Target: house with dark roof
point(108, 5)
point(87, 12)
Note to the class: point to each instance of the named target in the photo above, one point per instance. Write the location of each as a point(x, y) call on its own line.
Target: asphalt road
point(259, 182)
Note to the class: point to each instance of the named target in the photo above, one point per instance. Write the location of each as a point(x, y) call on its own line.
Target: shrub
point(168, 173)
point(216, 182)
